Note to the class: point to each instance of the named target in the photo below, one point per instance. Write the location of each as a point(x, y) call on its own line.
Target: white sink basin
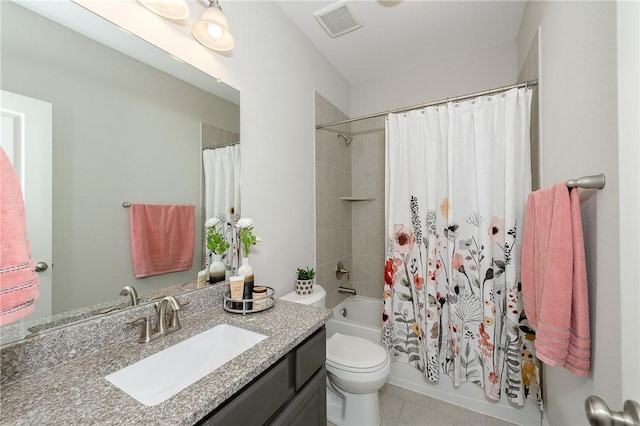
point(158, 377)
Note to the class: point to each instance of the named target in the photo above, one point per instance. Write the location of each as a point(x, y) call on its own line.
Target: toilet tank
point(315, 299)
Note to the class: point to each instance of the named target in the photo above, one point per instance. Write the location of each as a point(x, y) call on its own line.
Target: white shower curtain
point(457, 177)
point(222, 191)
point(221, 181)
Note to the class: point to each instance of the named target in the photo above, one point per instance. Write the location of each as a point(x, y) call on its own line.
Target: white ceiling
point(401, 35)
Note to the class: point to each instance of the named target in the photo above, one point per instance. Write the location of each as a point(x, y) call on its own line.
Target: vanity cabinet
point(292, 391)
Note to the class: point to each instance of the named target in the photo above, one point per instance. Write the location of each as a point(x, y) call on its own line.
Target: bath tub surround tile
point(357, 240)
point(373, 125)
point(338, 298)
point(345, 214)
point(330, 154)
point(339, 242)
point(326, 213)
point(327, 277)
point(323, 246)
point(344, 153)
point(367, 290)
point(349, 242)
point(364, 214)
point(374, 242)
point(323, 179)
point(373, 269)
point(337, 181)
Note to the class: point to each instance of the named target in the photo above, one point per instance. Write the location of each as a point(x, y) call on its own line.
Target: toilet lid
point(354, 352)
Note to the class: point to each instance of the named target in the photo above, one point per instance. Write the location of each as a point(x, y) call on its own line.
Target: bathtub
point(362, 316)
point(357, 316)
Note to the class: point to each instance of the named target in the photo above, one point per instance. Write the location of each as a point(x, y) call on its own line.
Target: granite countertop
point(15, 332)
point(76, 392)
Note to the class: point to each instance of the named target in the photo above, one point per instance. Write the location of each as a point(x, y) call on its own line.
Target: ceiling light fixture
point(212, 30)
point(170, 9)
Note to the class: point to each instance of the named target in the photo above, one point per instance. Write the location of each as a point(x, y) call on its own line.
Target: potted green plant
point(304, 281)
point(218, 245)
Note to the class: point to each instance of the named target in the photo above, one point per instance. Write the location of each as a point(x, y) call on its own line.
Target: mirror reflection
point(122, 131)
point(221, 199)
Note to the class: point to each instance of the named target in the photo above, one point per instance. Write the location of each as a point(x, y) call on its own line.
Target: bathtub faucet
point(347, 290)
point(340, 271)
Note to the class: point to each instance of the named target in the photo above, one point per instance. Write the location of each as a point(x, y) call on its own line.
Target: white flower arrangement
point(211, 222)
point(244, 222)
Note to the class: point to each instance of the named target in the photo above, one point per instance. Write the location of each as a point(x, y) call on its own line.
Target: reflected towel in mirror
point(162, 238)
point(18, 279)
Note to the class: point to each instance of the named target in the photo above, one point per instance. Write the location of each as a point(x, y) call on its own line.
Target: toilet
point(356, 369)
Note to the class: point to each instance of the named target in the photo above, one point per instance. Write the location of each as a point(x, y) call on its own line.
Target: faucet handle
point(340, 271)
point(145, 333)
point(134, 320)
point(182, 305)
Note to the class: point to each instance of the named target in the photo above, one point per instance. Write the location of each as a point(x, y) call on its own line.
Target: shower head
point(347, 139)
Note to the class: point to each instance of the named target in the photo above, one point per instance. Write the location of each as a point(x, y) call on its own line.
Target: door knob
point(41, 266)
point(599, 414)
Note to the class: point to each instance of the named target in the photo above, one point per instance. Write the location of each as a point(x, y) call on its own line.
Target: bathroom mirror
point(123, 131)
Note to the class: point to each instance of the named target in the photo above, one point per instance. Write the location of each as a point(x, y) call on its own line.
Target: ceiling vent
point(337, 19)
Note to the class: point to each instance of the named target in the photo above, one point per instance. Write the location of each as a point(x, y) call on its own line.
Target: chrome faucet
point(147, 334)
point(132, 293)
point(162, 327)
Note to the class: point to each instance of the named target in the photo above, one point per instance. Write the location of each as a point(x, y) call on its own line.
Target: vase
point(217, 270)
point(304, 287)
point(247, 271)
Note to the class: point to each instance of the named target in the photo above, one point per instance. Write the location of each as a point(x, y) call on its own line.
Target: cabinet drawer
point(310, 357)
point(259, 401)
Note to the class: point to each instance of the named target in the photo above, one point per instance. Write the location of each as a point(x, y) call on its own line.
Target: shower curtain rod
point(220, 146)
point(530, 83)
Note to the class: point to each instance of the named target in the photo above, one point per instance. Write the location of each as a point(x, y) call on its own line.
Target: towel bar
point(594, 181)
point(127, 204)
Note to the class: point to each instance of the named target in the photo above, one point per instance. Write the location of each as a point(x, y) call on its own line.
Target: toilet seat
point(355, 354)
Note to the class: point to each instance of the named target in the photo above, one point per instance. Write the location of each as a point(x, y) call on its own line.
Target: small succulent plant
point(306, 274)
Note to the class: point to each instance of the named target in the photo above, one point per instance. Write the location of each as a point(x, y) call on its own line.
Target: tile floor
point(402, 407)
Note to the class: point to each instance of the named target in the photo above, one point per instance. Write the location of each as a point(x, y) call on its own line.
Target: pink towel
point(162, 238)
point(554, 278)
point(18, 279)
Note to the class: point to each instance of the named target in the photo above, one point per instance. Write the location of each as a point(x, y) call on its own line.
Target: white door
point(628, 32)
point(26, 137)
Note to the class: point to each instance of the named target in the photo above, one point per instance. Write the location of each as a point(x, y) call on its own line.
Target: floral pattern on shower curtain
point(457, 178)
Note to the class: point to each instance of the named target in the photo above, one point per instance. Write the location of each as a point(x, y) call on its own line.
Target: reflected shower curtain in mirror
point(221, 183)
point(457, 178)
